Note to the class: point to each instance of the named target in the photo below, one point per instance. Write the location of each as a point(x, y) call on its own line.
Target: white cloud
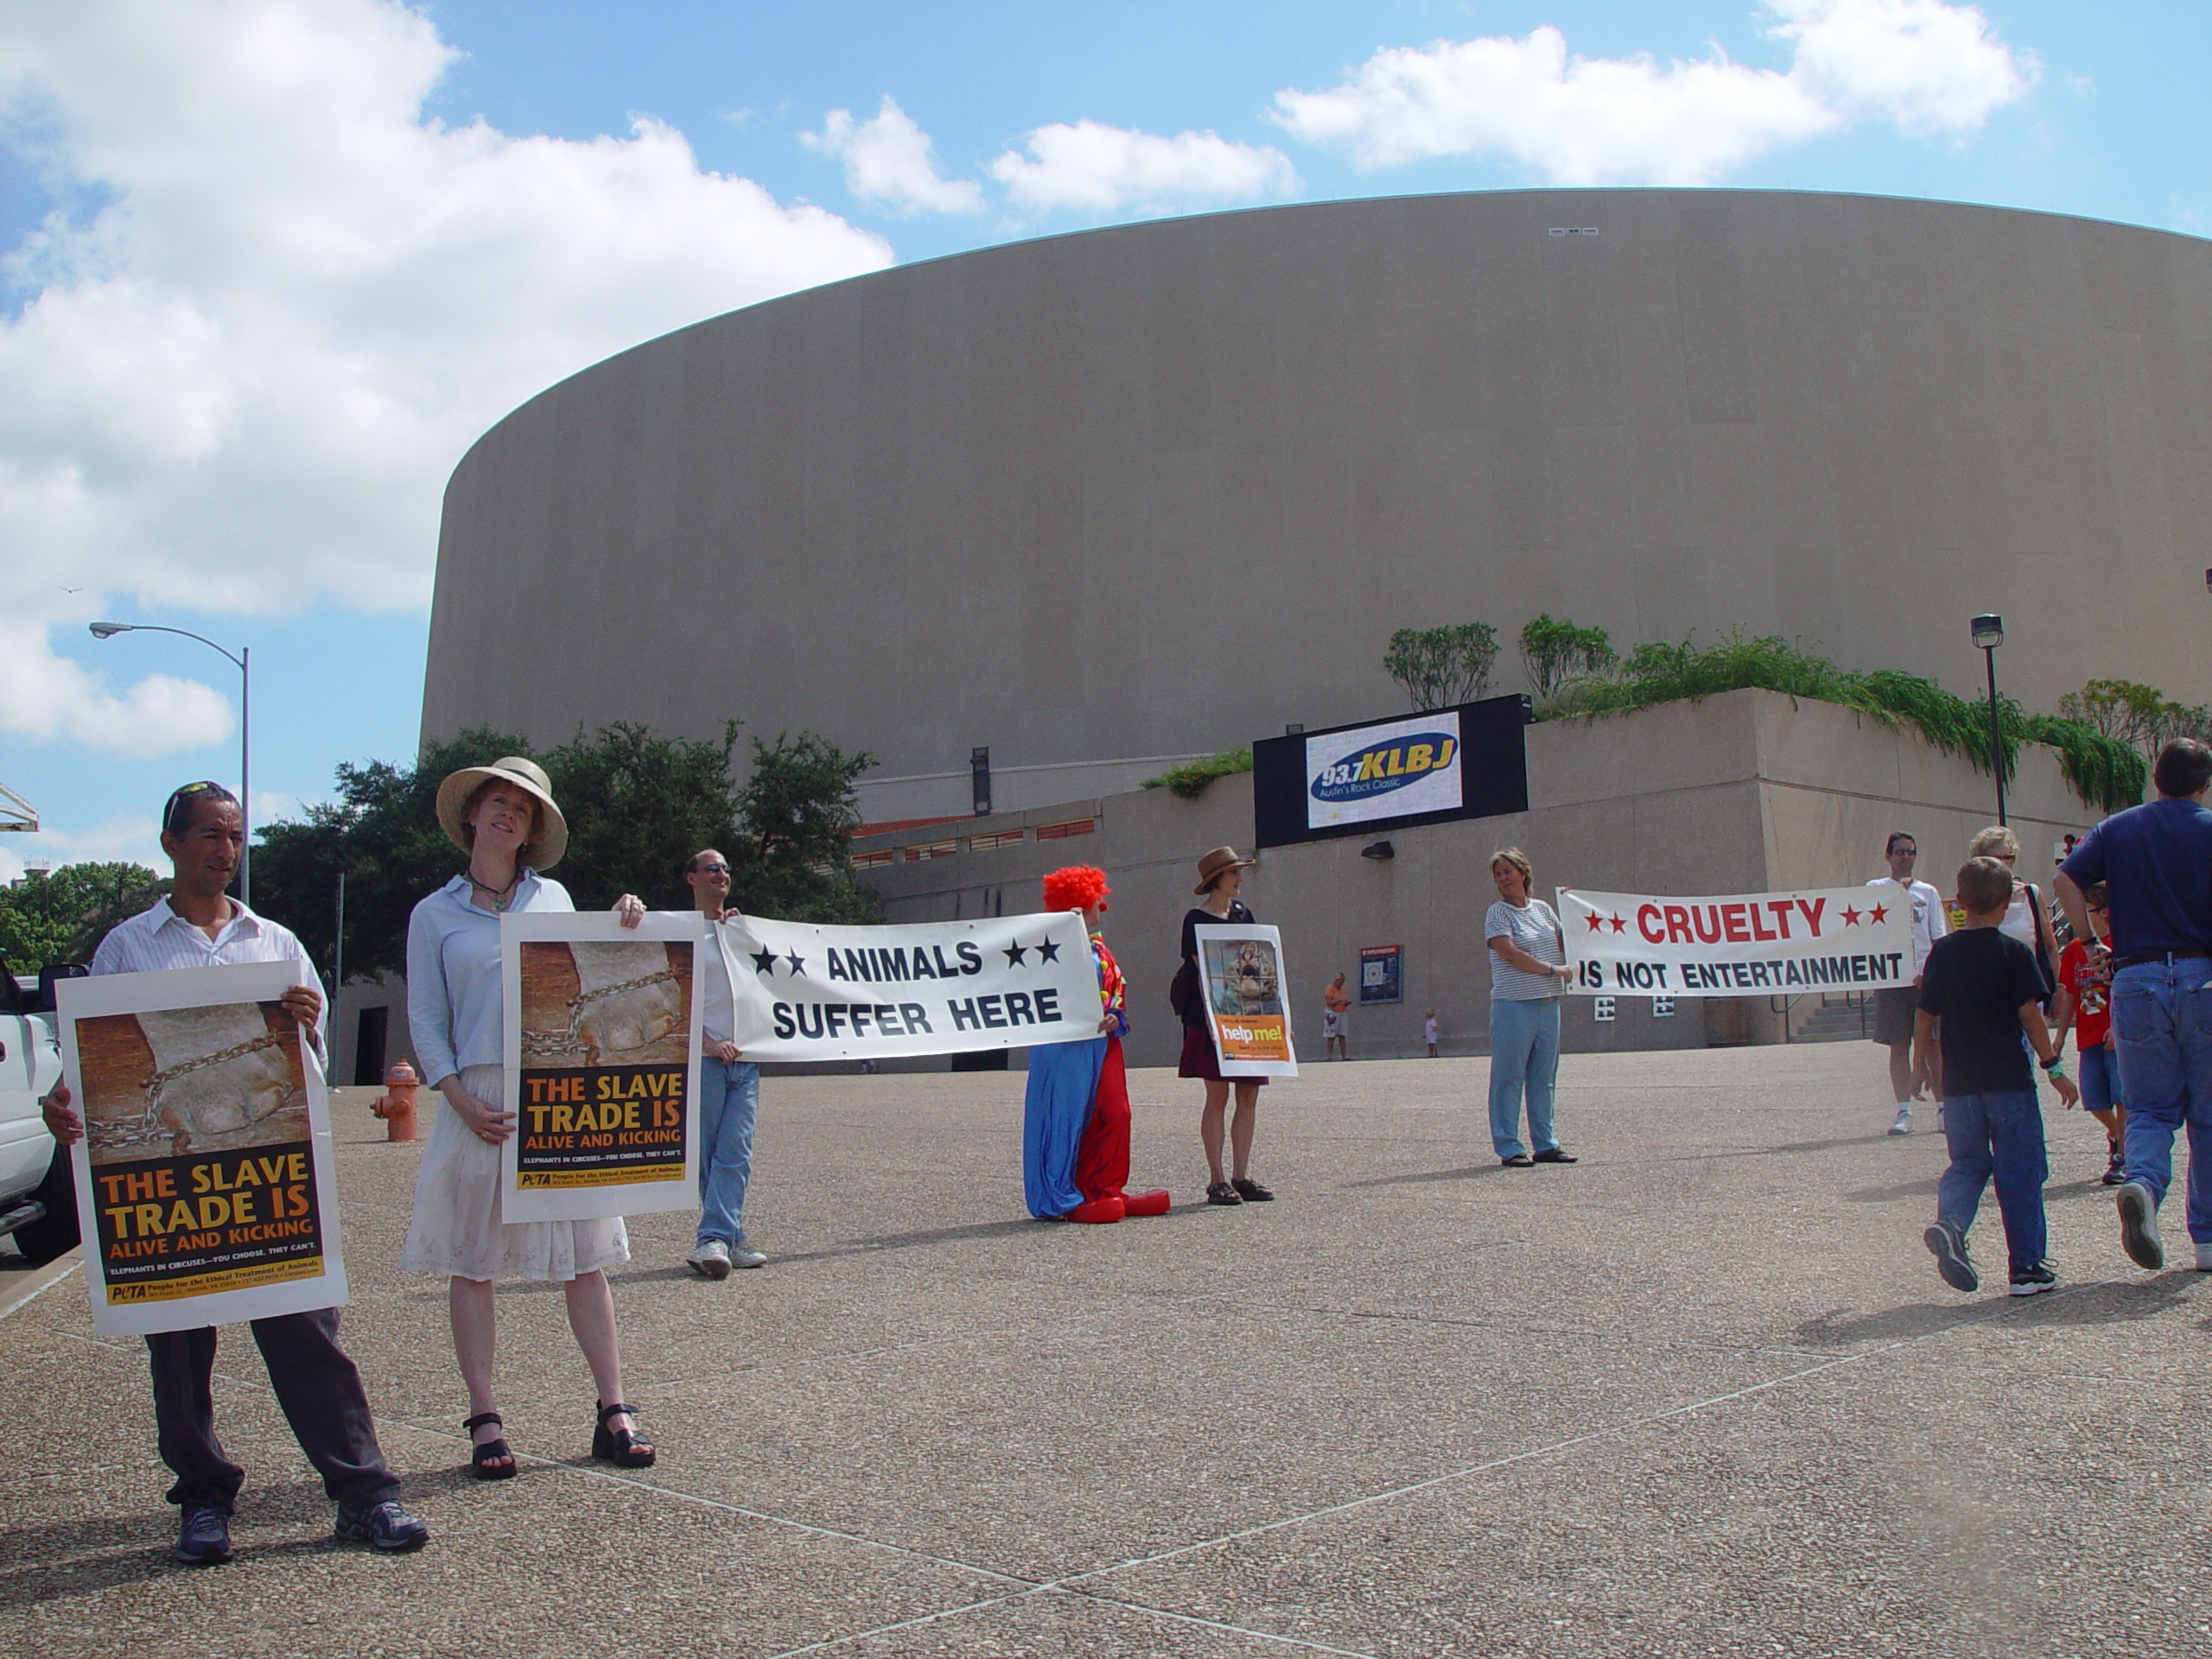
point(44, 697)
point(888, 159)
point(280, 301)
point(135, 836)
point(1926, 66)
point(1107, 169)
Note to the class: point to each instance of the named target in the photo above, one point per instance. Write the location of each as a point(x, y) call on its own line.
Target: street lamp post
point(109, 630)
point(1988, 633)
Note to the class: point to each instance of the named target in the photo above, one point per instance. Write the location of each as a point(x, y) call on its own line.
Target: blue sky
point(271, 266)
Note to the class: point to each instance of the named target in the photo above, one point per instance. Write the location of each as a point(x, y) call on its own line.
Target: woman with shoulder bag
point(1221, 877)
point(2026, 918)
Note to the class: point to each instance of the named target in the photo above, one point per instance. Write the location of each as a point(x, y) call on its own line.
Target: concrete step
point(1835, 1022)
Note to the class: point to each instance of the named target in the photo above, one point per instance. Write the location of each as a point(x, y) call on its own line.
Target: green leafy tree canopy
point(62, 915)
point(1555, 652)
point(1438, 667)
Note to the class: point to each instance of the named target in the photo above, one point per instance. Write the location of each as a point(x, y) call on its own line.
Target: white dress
point(453, 1005)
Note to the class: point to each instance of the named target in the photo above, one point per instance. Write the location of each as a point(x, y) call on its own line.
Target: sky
point(269, 267)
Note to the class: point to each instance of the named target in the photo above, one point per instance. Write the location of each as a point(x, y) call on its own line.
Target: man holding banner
point(198, 925)
point(729, 1088)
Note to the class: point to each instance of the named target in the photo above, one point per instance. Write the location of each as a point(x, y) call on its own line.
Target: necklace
point(501, 898)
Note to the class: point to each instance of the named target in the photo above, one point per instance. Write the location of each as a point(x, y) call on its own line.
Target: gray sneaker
point(710, 1259)
point(2139, 1226)
point(1904, 1124)
point(1948, 1246)
point(744, 1255)
point(2205, 1258)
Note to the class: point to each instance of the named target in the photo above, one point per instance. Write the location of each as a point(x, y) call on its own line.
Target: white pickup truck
point(38, 1200)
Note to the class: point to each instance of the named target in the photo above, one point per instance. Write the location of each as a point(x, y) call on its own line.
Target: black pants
point(316, 1385)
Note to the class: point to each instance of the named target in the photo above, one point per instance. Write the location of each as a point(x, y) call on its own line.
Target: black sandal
point(1222, 1192)
point(619, 1446)
point(494, 1459)
point(1252, 1191)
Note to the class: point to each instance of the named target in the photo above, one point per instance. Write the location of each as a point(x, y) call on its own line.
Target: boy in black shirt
point(1984, 987)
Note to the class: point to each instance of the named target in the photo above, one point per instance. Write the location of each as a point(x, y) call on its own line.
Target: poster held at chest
point(1755, 944)
point(1247, 1000)
point(205, 1172)
point(602, 1071)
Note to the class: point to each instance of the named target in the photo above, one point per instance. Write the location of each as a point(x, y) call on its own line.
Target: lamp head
point(1988, 631)
point(109, 630)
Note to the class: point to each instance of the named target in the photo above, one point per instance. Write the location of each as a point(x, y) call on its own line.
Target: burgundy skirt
point(1199, 1060)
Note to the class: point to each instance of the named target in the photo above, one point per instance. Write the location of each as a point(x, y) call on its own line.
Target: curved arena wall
point(1159, 488)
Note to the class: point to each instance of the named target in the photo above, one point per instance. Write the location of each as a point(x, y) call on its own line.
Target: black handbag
point(1183, 990)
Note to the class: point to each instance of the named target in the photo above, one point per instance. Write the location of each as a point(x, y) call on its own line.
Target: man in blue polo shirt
point(2156, 862)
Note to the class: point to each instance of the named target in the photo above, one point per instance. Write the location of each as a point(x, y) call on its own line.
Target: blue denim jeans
point(1523, 1059)
point(2162, 1013)
point(1999, 1134)
point(729, 1099)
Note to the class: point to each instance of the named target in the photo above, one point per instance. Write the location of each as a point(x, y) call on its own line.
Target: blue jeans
point(1523, 1058)
point(2162, 1013)
point(1999, 1134)
point(729, 1099)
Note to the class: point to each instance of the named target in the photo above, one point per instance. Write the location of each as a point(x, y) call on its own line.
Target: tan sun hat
point(525, 774)
point(1221, 858)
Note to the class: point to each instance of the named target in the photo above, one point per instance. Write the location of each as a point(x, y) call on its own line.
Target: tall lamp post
point(1988, 634)
point(109, 630)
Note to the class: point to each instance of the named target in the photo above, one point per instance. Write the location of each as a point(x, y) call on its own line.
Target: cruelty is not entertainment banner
point(602, 1073)
point(204, 1177)
point(1756, 943)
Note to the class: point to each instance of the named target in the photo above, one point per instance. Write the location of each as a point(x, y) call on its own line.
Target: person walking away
point(1336, 1021)
point(2084, 1001)
point(1528, 974)
point(2156, 862)
point(504, 818)
point(730, 1087)
point(1984, 985)
point(1428, 1033)
point(1221, 879)
point(318, 1388)
point(1894, 1005)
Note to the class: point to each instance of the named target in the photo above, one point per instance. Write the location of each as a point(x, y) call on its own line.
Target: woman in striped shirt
point(1527, 976)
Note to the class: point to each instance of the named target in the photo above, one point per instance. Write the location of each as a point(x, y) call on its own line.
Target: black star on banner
point(763, 961)
point(1048, 951)
point(797, 962)
point(1014, 953)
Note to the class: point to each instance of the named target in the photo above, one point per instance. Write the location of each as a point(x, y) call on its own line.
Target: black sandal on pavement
point(1518, 1160)
point(619, 1446)
point(1252, 1191)
point(1554, 1155)
point(1222, 1192)
point(494, 1459)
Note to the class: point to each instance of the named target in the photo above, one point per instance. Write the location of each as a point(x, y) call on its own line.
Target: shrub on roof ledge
point(1190, 781)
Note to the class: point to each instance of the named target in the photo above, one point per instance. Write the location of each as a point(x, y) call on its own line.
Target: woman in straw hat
point(504, 817)
point(1221, 877)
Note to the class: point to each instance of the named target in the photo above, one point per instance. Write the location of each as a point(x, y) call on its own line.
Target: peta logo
point(1384, 768)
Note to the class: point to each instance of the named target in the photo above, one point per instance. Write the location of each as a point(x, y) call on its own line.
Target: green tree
point(637, 806)
point(2133, 713)
point(1438, 667)
point(1553, 653)
point(63, 915)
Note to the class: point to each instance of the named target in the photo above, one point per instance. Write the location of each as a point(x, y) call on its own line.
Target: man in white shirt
point(1894, 1008)
point(198, 925)
point(729, 1088)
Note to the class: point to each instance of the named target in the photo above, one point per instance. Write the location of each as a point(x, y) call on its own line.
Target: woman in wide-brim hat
point(505, 818)
point(1221, 879)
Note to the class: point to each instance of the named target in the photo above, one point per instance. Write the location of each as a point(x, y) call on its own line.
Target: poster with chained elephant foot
point(205, 1173)
point(602, 1063)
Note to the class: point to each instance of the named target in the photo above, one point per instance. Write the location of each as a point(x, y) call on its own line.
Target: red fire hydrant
point(396, 1105)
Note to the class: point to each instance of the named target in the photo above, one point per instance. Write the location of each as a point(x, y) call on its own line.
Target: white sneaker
point(709, 1260)
point(744, 1255)
point(2205, 1258)
point(1904, 1125)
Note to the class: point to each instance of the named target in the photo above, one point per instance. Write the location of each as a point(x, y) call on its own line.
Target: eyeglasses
point(712, 869)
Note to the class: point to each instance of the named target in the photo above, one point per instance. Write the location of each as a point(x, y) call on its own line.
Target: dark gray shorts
point(1894, 1009)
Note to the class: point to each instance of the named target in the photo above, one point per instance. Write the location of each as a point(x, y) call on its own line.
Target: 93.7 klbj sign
point(1742, 944)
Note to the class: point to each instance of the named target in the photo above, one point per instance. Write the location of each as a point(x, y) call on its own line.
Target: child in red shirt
point(2084, 1001)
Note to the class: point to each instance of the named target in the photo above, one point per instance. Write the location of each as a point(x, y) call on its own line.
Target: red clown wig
point(1076, 887)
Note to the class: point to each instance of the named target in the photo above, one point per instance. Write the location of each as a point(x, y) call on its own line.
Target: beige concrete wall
point(1157, 488)
point(1745, 792)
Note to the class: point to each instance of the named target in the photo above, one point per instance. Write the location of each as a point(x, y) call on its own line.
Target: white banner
point(204, 1178)
point(1745, 944)
point(805, 992)
point(1392, 770)
point(602, 1070)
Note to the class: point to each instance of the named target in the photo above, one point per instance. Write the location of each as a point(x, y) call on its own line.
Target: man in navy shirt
point(2156, 862)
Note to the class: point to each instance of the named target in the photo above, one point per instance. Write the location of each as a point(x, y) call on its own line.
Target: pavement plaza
point(1701, 1394)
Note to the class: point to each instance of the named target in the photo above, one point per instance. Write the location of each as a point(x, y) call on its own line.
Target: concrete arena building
point(1098, 499)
